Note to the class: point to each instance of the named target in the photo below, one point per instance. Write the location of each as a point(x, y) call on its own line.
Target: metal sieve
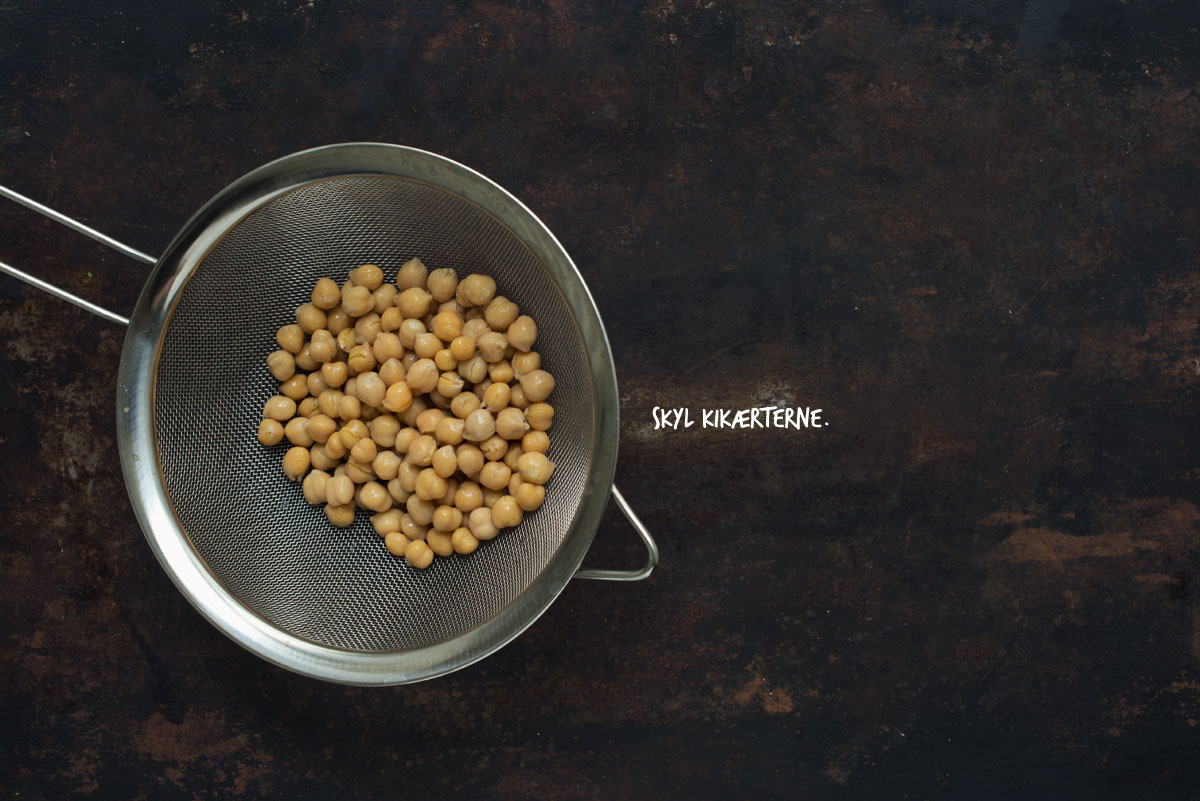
point(230, 530)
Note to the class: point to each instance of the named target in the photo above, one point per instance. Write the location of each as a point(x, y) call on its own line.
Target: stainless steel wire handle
point(598, 574)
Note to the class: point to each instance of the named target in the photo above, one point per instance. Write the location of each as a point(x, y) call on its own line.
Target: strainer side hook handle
point(651, 549)
point(86, 230)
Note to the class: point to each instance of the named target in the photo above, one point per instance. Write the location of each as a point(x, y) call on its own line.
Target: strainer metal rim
point(137, 433)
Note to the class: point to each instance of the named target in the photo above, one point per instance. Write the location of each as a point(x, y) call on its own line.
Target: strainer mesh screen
point(275, 553)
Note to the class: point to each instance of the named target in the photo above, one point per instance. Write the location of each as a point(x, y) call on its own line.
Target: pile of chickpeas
point(421, 401)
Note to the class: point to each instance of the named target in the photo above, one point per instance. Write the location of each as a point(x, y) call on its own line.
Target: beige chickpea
point(412, 273)
point(444, 461)
point(408, 359)
point(439, 542)
point(411, 528)
point(463, 541)
point(392, 371)
point(309, 317)
point(390, 318)
point(530, 496)
point(447, 326)
point(385, 523)
point(537, 384)
point(364, 450)
point(442, 283)
point(368, 275)
point(418, 554)
point(446, 519)
point(475, 290)
point(369, 413)
point(474, 327)
point(540, 416)
point(295, 462)
point(334, 374)
point(357, 301)
point(349, 408)
point(358, 472)
point(445, 360)
point(407, 475)
point(320, 460)
point(281, 364)
point(535, 468)
point(360, 360)
point(325, 294)
point(506, 512)
point(320, 427)
point(414, 302)
point(398, 397)
point(427, 420)
point(383, 430)
point(463, 404)
point(350, 387)
point(462, 348)
point(396, 543)
point(315, 384)
point(340, 516)
point(335, 448)
point(479, 425)
point(304, 359)
point(323, 347)
point(523, 363)
point(447, 498)
point(522, 333)
point(420, 510)
point(510, 423)
point(327, 402)
point(470, 459)
point(420, 450)
point(397, 491)
point(517, 397)
point(468, 497)
point(501, 372)
point(296, 432)
point(370, 389)
point(422, 376)
point(314, 487)
point(500, 313)
point(496, 398)
point(385, 297)
point(430, 485)
point(494, 448)
point(270, 432)
point(535, 442)
point(491, 346)
point(512, 456)
point(337, 321)
point(367, 329)
point(405, 438)
point(481, 525)
point(307, 407)
point(426, 346)
point(481, 387)
point(374, 496)
point(290, 338)
point(352, 431)
point(449, 430)
point(495, 475)
point(490, 496)
point(295, 387)
point(386, 346)
point(279, 407)
point(386, 465)
point(409, 331)
point(450, 385)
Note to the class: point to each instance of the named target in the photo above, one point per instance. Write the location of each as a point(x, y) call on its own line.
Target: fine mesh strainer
point(232, 532)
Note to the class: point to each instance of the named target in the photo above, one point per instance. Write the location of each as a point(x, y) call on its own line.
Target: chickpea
point(517, 397)
point(464, 541)
point(337, 321)
point(325, 294)
point(467, 497)
point(512, 456)
point(407, 475)
point(450, 385)
point(385, 297)
point(418, 554)
point(323, 347)
point(370, 388)
point(408, 359)
point(522, 333)
point(412, 529)
point(414, 302)
point(386, 465)
point(514, 483)
point(309, 317)
point(319, 427)
point(304, 359)
point(536, 468)
point(439, 542)
point(335, 448)
point(320, 460)
point(490, 496)
point(314, 382)
point(506, 513)
point(392, 371)
point(470, 459)
point(270, 432)
point(390, 318)
point(496, 398)
point(448, 498)
point(409, 331)
point(296, 432)
point(349, 408)
point(479, 426)
point(387, 346)
point(427, 420)
point(281, 364)
point(352, 432)
point(473, 369)
point(510, 423)
point(340, 516)
point(398, 397)
point(442, 283)
point(500, 313)
point(447, 326)
point(420, 510)
point(430, 485)
point(383, 430)
point(290, 338)
point(494, 448)
point(445, 360)
point(535, 442)
point(334, 374)
point(295, 462)
point(314, 487)
point(422, 376)
point(368, 275)
point(495, 475)
point(426, 346)
point(538, 384)
point(360, 360)
point(530, 496)
point(474, 327)
point(404, 439)
point(399, 494)
point(449, 431)
point(295, 388)
point(481, 525)
point(367, 329)
point(307, 408)
point(475, 290)
point(491, 346)
point(364, 450)
point(358, 472)
point(420, 450)
point(501, 372)
point(526, 362)
point(444, 462)
point(357, 301)
point(411, 274)
point(395, 542)
point(327, 402)
point(374, 496)
point(463, 404)
point(385, 523)
point(462, 348)
point(446, 519)
point(369, 413)
point(279, 407)
point(409, 415)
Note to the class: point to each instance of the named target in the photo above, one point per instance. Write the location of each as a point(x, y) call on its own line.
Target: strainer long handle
point(86, 230)
point(651, 549)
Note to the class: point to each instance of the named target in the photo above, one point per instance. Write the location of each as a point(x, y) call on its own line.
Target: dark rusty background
point(967, 231)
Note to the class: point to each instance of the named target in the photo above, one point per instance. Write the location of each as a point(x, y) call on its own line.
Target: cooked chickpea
point(420, 450)
point(412, 273)
point(495, 475)
point(334, 374)
point(270, 431)
point(517, 397)
point(360, 360)
point(506, 512)
point(349, 408)
point(490, 496)
point(315, 384)
point(510, 423)
point(536, 468)
point(395, 542)
point(422, 377)
point(479, 425)
point(523, 363)
point(474, 327)
point(279, 407)
point(540, 416)
point(501, 372)
point(367, 329)
point(463, 404)
point(281, 364)
point(296, 432)
point(450, 385)
point(309, 317)
point(320, 460)
point(409, 415)
point(323, 347)
point(337, 321)
point(404, 439)
point(449, 430)
point(327, 402)
point(307, 407)
point(385, 464)
point(414, 302)
point(314, 487)
point(385, 296)
point(385, 523)
point(444, 461)
point(468, 497)
point(481, 525)
point(430, 485)
point(462, 348)
point(447, 326)
point(418, 555)
point(442, 283)
point(340, 516)
point(496, 397)
point(295, 388)
point(409, 331)
point(446, 519)
point(383, 430)
point(445, 360)
point(500, 313)
point(357, 301)
point(530, 496)
point(538, 384)
point(512, 456)
point(475, 290)
point(290, 338)
point(374, 496)
point(398, 397)
point(358, 472)
point(463, 541)
point(325, 294)
point(295, 462)
point(494, 448)
point(470, 459)
point(368, 275)
point(353, 431)
point(407, 475)
point(408, 359)
point(491, 346)
point(535, 442)
point(439, 542)
point(370, 388)
point(392, 371)
point(390, 318)
point(426, 346)
point(364, 450)
point(387, 346)
point(304, 359)
point(411, 528)
point(473, 369)
point(335, 448)
point(420, 510)
point(399, 493)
